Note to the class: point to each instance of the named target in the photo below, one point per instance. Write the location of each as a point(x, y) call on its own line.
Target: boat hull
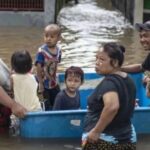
point(69, 124)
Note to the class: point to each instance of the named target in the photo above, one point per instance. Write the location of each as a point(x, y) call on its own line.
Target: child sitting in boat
point(24, 84)
point(69, 98)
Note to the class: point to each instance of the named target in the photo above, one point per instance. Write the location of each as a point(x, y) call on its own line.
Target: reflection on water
point(86, 26)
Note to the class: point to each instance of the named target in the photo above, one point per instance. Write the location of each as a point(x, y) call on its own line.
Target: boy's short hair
point(21, 61)
point(75, 70)
point(56, 28)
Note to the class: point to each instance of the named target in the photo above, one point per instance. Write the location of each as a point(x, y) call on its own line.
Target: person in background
point(47, 59)
point(144, 33)
point(5, 112)
point(69, 98)
point(107, 125)
point(24, 84)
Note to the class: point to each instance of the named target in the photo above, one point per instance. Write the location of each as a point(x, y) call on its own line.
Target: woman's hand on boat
point(18, 110)
point(93, 136)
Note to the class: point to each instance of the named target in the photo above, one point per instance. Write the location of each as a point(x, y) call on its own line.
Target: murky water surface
point(85, 27)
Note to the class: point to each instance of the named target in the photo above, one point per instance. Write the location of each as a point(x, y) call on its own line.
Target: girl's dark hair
point(115, 51)
point(21, 62)
point(75, 70)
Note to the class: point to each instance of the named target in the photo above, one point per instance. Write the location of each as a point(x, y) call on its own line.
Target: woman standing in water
point(110, 107)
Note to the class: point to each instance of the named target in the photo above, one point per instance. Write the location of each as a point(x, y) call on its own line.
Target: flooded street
point(85, 27)
point(88, 25)
point(16, 143)
point(17, 38)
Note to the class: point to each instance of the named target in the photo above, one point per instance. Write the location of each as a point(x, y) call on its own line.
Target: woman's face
point(103, 63)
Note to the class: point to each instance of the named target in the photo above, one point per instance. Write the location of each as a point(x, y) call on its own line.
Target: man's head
point(144, 30)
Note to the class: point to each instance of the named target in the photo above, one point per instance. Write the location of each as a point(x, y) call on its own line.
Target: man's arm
point(135, 68)
point(16, 108)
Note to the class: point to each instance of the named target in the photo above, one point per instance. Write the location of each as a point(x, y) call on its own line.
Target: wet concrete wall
point(32, 18)
point(126, 7)
point(21, 18)
point(132, 9)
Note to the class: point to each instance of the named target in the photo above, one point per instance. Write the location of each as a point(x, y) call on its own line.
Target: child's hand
point(41, 88)
point(146, 79)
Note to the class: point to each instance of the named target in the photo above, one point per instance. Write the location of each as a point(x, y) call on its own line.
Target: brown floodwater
point(85, 27)
point(17, 38)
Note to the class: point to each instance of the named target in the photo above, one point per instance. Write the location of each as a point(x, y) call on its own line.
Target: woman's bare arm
point(16, 108)
point(111, 106)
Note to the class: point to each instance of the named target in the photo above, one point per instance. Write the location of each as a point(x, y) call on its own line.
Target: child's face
point(73, 82)
point(51, 38)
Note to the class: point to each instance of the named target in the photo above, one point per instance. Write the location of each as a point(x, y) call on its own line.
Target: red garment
point(4, 119)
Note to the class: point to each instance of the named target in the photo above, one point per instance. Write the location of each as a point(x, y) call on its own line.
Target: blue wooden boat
point(69, 124)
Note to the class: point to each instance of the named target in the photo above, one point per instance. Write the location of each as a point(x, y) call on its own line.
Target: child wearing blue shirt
point(69, 98)
point(47, 59)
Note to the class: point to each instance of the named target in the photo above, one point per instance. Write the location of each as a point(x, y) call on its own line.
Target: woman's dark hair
point(21, 62)
point(115, 52)
point(75, 70)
